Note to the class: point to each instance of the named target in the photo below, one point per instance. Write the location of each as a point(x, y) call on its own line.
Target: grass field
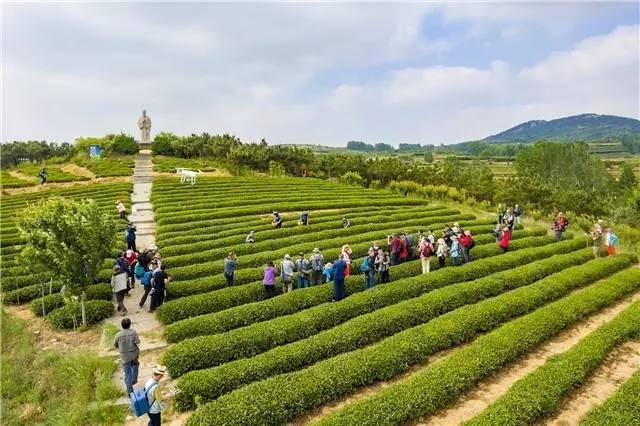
point(109, 166)
point(233, 349)
point(55, 173)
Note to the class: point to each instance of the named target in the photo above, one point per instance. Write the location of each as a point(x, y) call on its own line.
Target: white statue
point(144, 123)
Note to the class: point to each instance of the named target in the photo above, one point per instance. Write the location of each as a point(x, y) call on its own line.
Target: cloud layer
point(312, 73)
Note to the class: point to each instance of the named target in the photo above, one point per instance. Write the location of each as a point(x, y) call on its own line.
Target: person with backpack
point(287, 268)
point(559, 225)
point(611, 240)
point(455, 250)
point(346, 256)
point(425, 248)
point(505, 239)
point(404, 251)
point(154, 397)
point(441, 252)
point(304, 218)
point(466, 244)
point(317, 265)
point(127, 342)
point(382, 265)
point(269, 280)
point(130, 236)
point(339, 269)
point(230, 266)
point(517, 213)
point(43, 174)
point(132, 260)
point(497, 232)
point(367, 267)
point(159, 284)
point(303, 267)
point(122, 211)
point(119, 288)
point(277, 220)
point(145, 280)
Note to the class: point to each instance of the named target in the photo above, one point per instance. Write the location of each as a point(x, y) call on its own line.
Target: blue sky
point(311, 72)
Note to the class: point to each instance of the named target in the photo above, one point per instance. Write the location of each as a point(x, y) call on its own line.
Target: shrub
point(329, 380)
point(208, 351)
point(363, 330)
point(27, 294)
point(539, 394)
point(623, 408)
point(123, 144)
point(96, 311)
point(56, 300)
point(439, 383)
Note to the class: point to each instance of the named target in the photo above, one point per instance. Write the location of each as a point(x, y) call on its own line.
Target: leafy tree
point(627, 178)
point(163, 143)
point(69, 238)
point(123, 144)
point(352, 178)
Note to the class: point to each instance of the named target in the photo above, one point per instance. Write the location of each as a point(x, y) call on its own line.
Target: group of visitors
point(509, 216)
point(302, 221)
point(605, 235)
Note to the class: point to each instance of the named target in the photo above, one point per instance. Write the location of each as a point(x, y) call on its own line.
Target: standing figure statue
point(144, 123)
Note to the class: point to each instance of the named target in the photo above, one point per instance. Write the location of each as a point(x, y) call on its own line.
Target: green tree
point(627, 179)
point(428, 157)
point(69, 238)
point(352, 178)
point(123, 144)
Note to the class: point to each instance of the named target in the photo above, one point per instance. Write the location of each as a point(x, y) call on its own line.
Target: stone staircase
point(141, 207)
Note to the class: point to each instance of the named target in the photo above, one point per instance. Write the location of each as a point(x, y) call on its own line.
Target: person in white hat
point(317, 266)
point(287, 267)
point(152, 388)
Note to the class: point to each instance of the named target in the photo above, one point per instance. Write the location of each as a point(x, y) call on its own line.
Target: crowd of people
point(603, 235)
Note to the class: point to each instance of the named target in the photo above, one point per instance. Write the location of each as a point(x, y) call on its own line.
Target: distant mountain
point(584, 127)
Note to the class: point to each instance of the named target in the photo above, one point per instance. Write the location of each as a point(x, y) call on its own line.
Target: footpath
point(148, 327)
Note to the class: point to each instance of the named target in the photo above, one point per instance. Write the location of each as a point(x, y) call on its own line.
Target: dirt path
point(487, 391)
point(74, 169)
point(37, 188)
point(617, 368)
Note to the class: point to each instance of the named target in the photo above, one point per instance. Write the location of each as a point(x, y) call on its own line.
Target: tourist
point(509, 219)
point(382, 265)
point(43, 174)
point(596, 237)
point(611, 240)
point(122, 211)
point(346, 256)
point(277, 220)
point(339, 269)
point(160, 280)
point(127, 342)
point(130, 236)
point(404, 251)
point(146, 285)
point(425, 249)
point(250, 239)
point(505, 239)
point(368, 269)
point(431, 237)
point(409, 243)
point(303, 267)
point(304, 218)
point(456, 229)
point(441, 252)
point(230, 266)
point(119, 288)
point(559, 225)
point(517, 212)
point(497, 232)
point(375, 246)
point(317, 264)
point(146, 256)
point(466, 244)
point(269, 280)
point(287, 269)
point(455, 250)
point(327, 272)
point(132, 260)
point(346, 222)
point(154, 397)
point(396, 245)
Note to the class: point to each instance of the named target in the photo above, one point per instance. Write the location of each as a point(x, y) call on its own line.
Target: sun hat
point(286, 256)
point(156, 256)
point(316, 250)
point(301, 253)
point(152, 247)
point(160, 369)
point(467, 232)
point(440, 240)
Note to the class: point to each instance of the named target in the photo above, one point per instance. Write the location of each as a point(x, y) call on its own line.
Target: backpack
point(138, 271)
point(127, 234)
point(140, 401)
point(427, 250)
point(364, 267)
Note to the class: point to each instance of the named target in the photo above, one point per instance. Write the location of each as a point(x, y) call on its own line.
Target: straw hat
point(316, 250)
point(160, 370)
point(286, 256)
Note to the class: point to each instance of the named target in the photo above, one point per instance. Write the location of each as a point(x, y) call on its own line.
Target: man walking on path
point(230, 265)
point(130, 236)
point(152, 389)
point(146, 284)
point(119, 287)
point(127, 342)
point(338, 278)
point(304, 271)
point(286, 273)
point(160, 280)
point(317, 265)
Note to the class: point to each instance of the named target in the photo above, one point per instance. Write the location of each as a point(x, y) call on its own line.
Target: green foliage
point(198, 352)
point(54, 173)
point(70, 238)
point(539, 394)
point(163, 143)
point(627, 180)
point(365, 329)
point(623, 408)
point(56, 300)
point(330, 379)
point(352, 178)
point(51, 387)
point(107, 166)
point(16, 152)
point(70, 316)
point(8, 181)
point(123, 144)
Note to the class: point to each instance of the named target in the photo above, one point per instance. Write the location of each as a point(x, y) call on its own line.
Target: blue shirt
point(338, 270)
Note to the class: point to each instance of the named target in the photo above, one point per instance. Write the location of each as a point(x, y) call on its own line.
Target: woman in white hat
point(152, 388)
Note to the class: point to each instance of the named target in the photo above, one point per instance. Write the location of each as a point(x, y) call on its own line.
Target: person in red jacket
point(404, 250)
point(466, 242)
point(504, 240)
